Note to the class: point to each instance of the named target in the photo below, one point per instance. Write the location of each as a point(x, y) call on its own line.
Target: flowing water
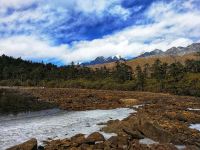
point(53, 124)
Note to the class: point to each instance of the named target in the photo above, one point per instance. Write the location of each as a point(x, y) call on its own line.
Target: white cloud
point(29, 47)
point(169, 27)
point(97, 8)
point(180, 42)
point(118, 10)
point(15, 3)
point(52, 13)
point(90, 6)
point(85, 6)
point(137, 8)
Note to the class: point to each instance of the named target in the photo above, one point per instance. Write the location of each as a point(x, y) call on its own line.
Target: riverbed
point(54, 124)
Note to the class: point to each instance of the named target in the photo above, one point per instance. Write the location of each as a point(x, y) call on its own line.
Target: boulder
point(163, 147)
point(28, 145)
point(133, 134)
point(112, 142)
point(118, 141)
point(95, 137)
point(191, 147)
point(78, 139)
point(66, 143)
point(58, 144)
point(153, 130)
point(100, 145)
point(134, 145)
point(85, 147)
point(156, 132)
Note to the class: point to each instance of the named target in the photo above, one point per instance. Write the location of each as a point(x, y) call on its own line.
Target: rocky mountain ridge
point(174, 51)
point(102, 60)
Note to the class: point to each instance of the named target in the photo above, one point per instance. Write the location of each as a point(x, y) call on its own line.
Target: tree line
point(176, 77)
point(21, 71)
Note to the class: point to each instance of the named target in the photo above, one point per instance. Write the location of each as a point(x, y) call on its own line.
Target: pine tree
point(122, 72)
point(140, 77)
point(159, 72)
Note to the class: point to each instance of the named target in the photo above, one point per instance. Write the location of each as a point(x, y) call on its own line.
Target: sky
point(62, 31)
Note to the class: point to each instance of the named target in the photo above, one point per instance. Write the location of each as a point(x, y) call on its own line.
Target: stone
point(78, 139)
point(99, 146)
point(66, 143)
point(58, 144)
point(153, 130)
point(118, 141)
point(191, 147)
point(95, 137)
point(163, 147)
point(122, 142)
point(28, 145)
point(113, 141)
point(133, 134)
point(40, 147)
point(134, 145)
point(86, 147)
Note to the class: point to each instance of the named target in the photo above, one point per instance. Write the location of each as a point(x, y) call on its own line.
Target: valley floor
point(162, 121)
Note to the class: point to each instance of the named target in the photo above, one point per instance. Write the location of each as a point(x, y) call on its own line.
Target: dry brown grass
point(129, 101)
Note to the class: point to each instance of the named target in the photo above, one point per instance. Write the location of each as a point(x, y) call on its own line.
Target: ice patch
point(60, 124)
point(108, 135)
point(147, 141)
point(195, 109)
point(137, 106)
point(180, 147)
point(195, 126)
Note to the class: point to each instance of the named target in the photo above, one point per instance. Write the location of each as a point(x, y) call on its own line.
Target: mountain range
point(102, 60)
point(174, 51)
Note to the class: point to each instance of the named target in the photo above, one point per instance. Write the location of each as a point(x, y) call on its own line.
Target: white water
point(54, 124)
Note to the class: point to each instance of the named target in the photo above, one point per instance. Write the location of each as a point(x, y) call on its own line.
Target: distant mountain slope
point(156, 52)
point(150, 60)
point(174, 51)
point(195, 47)
point(103, 60)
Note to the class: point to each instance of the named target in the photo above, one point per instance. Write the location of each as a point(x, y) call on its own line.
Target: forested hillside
point(176, 77)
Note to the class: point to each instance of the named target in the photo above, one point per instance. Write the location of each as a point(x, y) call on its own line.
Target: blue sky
point(61, 31)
